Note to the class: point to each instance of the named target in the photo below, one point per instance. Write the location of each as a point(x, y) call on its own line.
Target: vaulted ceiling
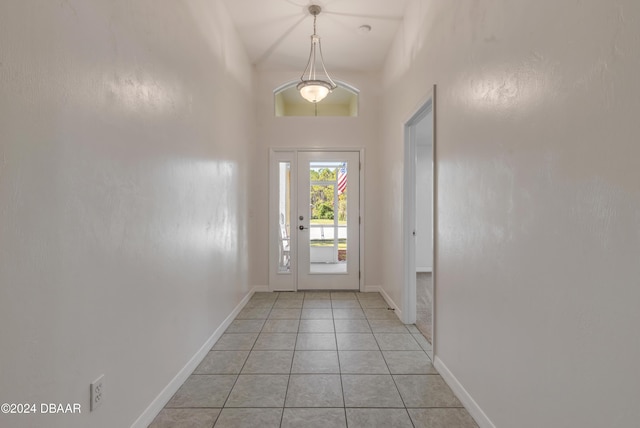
point(276, 32)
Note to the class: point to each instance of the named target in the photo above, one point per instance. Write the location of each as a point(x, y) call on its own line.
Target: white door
point(327, 221)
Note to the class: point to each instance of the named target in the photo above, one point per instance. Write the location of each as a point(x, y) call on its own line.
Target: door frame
point(428, 104)
point(279, 281)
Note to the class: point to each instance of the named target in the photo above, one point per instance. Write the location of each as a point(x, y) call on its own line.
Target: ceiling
point(276, 33)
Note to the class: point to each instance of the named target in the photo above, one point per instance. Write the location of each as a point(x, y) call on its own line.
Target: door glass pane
point(328, 217)
point(284, 217)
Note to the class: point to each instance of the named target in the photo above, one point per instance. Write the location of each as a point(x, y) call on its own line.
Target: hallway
point(316, 359)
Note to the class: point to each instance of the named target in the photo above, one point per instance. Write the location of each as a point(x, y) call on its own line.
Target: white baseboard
point(165, 395)
point(465, 398)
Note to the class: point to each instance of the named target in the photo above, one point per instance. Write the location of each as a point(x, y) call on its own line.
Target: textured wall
point(124, 133)
point(537, 269)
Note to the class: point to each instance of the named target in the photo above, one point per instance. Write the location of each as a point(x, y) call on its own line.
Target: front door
point(327, 220)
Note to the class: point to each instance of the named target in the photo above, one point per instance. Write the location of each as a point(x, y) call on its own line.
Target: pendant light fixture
point(312, 86)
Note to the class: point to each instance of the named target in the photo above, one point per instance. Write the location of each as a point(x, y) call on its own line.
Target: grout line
point(248, 355)
point(293, 356)
point(335, 337)
point(340, 373)
point(392, 378)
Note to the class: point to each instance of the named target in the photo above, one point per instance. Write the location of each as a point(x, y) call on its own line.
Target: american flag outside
point(342, 179)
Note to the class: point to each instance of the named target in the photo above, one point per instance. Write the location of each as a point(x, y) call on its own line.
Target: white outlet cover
point(97, 393)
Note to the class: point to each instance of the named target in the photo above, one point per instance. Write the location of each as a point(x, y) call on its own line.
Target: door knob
point(301, 227)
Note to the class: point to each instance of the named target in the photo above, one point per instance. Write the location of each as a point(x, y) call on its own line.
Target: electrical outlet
point(97, 393)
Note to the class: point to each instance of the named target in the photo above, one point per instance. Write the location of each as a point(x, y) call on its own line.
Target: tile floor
point(316, 359)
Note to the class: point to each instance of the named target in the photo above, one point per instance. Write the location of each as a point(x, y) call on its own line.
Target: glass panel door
point(282, 224)
point(284, 217)
point(328, 220)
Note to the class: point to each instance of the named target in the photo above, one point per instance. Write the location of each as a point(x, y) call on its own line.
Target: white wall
point(316, 132)
point(539, 204)
point(124, 133)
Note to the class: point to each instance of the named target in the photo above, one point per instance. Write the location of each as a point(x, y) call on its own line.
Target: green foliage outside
point(322, 197)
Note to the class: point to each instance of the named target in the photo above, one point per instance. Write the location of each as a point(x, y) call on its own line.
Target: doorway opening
point(419, 219)
point(315, 222)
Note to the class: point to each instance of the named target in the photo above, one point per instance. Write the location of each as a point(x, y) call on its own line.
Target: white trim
point(425, 107)
point(409, 209)
point(260, 289)
point(361, 213)
point(465, 398)
point(424, 270)
point(165, 395)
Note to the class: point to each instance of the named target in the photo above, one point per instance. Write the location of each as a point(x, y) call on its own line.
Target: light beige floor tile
point(235, 342)
point(348, 314)
point(345, 304)
point(317, 295)
point(343, 295)
point(316, 342)
point(245, 326)
point(378, 418)
point(380, 314)
point(222, 362)
point(352, 326)
point(313, 418)
point(253, 314)
point(290, 296)
point(441, 418)
point(317, 304)
point(423, 342)
point(285, 314)
point(258, 391)
point(388, 326)
point(316, 326)
point(275, 342)
point(185, 418)
point(260, 303)
point(249, 418)
point(396, 342)
point(265, 295)
point(314, 390)
point(317, 314)
point(362, 362)
point(368, 295)
point(412, 329)
point(268, 362)
point(288, 304)
point(374, 303)
point(311, 362)
point(409, 362)
point(425, 391)
point(370, 391)
point(281, 326)
point(357, 342)
point(203, 391)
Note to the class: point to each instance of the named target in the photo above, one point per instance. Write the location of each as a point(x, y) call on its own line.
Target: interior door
point(328, 221)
